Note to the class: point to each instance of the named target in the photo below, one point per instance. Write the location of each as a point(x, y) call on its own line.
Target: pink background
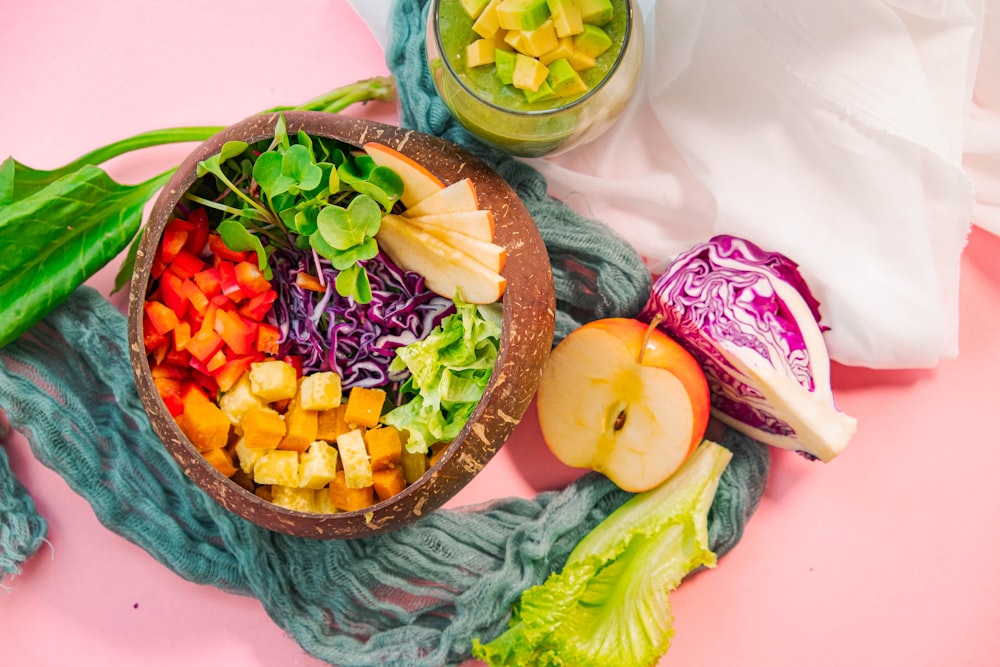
point(885, 556)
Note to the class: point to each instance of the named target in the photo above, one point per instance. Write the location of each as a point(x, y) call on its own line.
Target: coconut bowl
point(526, 339)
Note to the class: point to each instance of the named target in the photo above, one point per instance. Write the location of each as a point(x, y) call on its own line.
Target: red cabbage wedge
point(749, 318)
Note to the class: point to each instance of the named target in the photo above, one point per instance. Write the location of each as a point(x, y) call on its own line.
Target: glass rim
point(626, 40)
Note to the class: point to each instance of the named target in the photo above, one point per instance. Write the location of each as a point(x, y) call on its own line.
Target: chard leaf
point(56, 238)
point(609, 604)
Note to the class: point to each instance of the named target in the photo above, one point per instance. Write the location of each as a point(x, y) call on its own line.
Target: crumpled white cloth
point(861, 139)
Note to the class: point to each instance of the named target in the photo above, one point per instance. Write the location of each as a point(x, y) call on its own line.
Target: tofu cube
point(318, 465)
point(354, 459)
point(273, 380)
point(247, 457)
point(299, 500)
point(277, 466)
point(320, 391)
point(236, 402)
point(364, 407)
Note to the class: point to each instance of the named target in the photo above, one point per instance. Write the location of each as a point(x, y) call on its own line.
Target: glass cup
point(497, 116)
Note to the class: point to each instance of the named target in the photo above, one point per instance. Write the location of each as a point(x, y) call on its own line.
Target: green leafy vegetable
point(449, 370)
point(294, 197)
point(609, 605)
point(59, 227)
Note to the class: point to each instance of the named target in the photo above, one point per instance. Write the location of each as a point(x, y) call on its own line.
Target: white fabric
point(859, 138)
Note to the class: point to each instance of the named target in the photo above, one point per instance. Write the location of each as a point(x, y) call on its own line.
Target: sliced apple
point(446, 270)
point(418, 183)
point(455, 198)
point(600, 408)
point(490, 255)
point(477, 224)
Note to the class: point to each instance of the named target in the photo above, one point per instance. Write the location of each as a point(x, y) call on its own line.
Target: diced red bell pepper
point(175, 236)
point(179, 358)
point(208, 282)
point(222, 252)
point(182, 335)
point(206, 383)
point(268, 336)
point(167, 371)
point(259, 306)
point(203, 345)
point(217, 361)
point(172, 292)
point(198, 235)
point(238, 333)
point(151, 338)
point(191, 393)
point(231, 371)
point(194, 295)
point(295, 361)
point(161, 317)
point(186, 264)
point(250, 279)
point(208, 320)
point(227, 281)
point(170, 391)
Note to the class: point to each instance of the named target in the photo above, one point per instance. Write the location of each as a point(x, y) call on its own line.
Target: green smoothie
point(574, 94)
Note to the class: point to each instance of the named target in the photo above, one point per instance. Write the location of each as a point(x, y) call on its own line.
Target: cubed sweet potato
point(388, 482)
point(346, 498)
point(263, 428)
point(220, 460)
point(364, 406)
point(300, 427)
point(205, 425)
point(384, 447)
point(330, 423)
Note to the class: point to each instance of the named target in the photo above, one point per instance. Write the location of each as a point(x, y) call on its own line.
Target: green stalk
point(173, 135)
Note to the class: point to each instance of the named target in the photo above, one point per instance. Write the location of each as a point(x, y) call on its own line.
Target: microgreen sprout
point(310, 193)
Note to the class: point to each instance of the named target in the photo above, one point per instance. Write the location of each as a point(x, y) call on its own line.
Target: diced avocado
point(567, 17)
point(487, 25)
point(505, 65)
point(480, 52)
point(522, 14)
point(563, 50)
point(474, 7)
point(534, 42)
point(592, 42)
point(529, 73)
point(543, 94)
point(564, 80)
point(581, 61)
point(596, 12)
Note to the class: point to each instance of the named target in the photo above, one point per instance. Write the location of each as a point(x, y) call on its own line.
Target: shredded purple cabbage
point(331, 332)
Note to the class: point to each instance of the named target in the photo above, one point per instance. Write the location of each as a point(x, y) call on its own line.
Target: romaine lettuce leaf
point(609, 604)
point(449, 370)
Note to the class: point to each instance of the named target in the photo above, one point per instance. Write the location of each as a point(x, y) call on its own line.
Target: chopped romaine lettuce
point(609, 604)
point(449, 370)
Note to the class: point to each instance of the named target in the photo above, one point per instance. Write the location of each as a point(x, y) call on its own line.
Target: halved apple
point(418, 183)
point(600, 408)
point(447, 270)
point(490, 255)
point(459, 196)
point(477, 224)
